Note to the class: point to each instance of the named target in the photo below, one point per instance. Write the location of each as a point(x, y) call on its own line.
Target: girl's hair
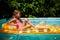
point(16, 12)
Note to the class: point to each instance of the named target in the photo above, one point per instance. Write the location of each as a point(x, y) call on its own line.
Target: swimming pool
point(35, 21)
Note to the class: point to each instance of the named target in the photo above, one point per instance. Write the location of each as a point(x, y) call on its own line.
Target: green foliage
point(36, 8)
point(30, 16)
point(14, 4)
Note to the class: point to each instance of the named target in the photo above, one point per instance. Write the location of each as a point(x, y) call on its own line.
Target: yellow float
point(30, 30)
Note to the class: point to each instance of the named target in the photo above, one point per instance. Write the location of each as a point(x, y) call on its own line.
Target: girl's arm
point(30, 24)
point(27, 21)
point(11, 22)
point(24, 23)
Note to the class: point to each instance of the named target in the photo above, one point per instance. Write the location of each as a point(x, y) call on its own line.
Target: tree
point(32, 8)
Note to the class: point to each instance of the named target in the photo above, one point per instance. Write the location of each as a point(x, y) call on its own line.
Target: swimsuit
point(19, 25)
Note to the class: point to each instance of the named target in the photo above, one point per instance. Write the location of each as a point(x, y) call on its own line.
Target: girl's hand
point(26, 19)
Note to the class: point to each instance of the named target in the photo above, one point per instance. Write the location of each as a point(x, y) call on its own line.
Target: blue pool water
point(29, 36)
point(35, 21)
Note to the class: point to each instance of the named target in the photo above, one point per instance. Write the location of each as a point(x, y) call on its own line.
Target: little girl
point(18, 22)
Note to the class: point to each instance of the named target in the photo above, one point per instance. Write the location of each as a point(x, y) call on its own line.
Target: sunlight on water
point(11, 38)
point(54, 37)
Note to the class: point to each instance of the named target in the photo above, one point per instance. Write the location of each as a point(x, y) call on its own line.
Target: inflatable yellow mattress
point(29, 30)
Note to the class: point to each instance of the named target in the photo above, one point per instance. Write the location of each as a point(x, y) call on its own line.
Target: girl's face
point(18, 15)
